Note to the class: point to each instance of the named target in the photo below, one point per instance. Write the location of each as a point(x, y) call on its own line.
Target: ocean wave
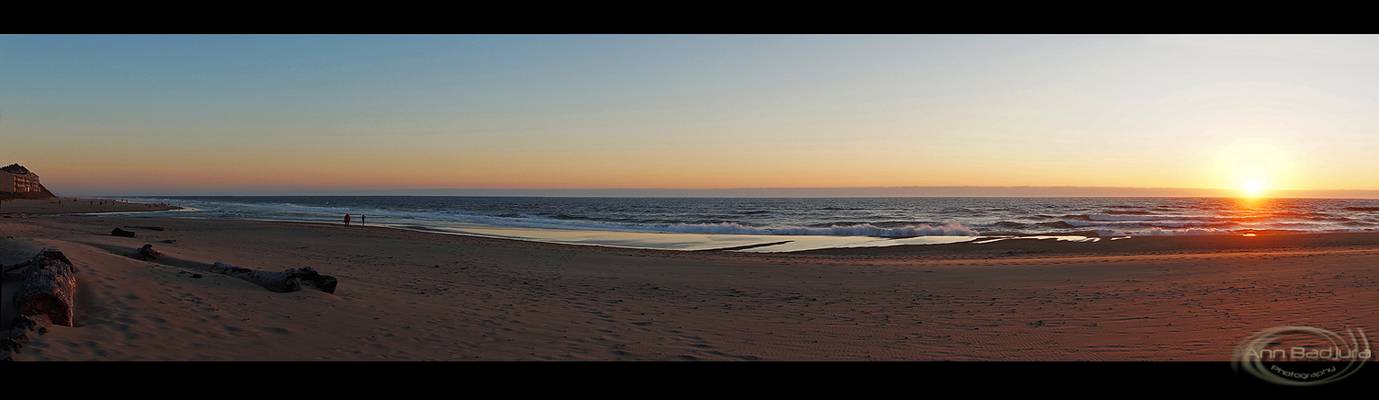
point(1129, 212)
point(881, 224)
point(1143, 224)
point(1010, 225)
point(1137, 217)
point(947, 229)
point(1179, 232)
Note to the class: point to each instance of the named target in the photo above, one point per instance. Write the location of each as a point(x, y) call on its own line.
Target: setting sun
point(1252, 188)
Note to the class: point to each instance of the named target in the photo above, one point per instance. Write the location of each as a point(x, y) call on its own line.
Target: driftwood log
point(146, 253)
point(121, 232)
point(151, 228)
point(17, 337)
point(14, 271)
point(49, 287)
point(289, 280)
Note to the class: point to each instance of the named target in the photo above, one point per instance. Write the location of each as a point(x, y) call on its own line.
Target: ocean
point(775, 218)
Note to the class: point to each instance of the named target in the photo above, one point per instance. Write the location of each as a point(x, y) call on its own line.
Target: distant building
point(17, 181)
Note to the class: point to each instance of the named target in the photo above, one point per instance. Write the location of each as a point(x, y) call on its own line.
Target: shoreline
point(1016, 249)
point(718, 220)
point(974, 247)
point(980, 245)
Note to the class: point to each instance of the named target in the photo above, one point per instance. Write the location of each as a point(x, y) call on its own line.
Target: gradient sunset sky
point(300, 114)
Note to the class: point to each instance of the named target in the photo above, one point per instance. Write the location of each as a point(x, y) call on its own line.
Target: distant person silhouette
point(361, 219)
point(347, 219)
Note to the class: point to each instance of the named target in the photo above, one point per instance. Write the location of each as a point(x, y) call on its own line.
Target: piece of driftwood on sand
point(49, 288)
point(289, 280)
point(146, 253)
point(145, 227)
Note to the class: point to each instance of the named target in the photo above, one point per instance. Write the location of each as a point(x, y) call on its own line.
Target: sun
point(1253, 188)
point(1254, 168)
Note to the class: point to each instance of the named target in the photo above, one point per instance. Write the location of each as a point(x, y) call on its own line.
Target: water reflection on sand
point(741, 243)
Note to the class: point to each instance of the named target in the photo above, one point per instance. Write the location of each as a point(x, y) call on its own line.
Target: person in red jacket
point(347, 219)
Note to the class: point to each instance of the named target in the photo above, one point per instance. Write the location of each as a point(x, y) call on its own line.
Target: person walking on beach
point(347, 219)
point(361, 219)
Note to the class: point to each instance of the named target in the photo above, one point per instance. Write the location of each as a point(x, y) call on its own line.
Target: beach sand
point(406, 295)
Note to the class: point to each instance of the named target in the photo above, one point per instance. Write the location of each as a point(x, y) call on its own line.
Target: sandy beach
point(406, 295)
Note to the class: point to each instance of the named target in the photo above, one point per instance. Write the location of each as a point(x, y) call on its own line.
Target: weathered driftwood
point(310, 277)
point(17, 337)
point(151, 228)
point(13, 342)
point(121, 232)
point(146, 253)
point(14, 271)
point(49, 287)
point(289, 280)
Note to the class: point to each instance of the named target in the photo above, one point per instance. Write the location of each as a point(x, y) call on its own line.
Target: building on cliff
point(17, 181)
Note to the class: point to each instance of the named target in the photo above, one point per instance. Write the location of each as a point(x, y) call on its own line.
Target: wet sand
point(406, 295)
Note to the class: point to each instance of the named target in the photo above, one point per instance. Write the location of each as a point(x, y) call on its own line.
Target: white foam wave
point(946, 229)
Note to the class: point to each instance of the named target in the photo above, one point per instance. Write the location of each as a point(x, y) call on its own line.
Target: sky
point(402, 114)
